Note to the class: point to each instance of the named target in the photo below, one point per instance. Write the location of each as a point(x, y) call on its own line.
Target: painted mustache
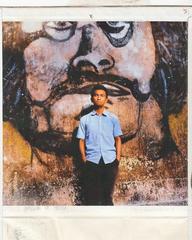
point(81, 82)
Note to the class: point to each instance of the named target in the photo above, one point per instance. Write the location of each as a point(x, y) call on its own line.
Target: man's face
point(99, 98)
point(62, 68)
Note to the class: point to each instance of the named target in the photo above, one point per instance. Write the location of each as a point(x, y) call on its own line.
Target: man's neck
point(99, 110)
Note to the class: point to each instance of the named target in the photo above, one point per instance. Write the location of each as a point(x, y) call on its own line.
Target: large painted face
point(63, 66)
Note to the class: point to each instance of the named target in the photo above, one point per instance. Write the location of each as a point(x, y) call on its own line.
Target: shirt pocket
point(91, 134)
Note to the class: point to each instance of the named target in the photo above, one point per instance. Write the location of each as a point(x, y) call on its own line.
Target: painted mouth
point(83, 82)
point(113, 89)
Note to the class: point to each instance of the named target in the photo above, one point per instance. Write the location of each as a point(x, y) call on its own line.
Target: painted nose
point(91, 55)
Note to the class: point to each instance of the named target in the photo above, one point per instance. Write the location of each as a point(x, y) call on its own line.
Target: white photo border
point(142, 13)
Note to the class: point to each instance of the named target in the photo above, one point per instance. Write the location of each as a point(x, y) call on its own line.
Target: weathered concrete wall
point(54, 181)
point(48, 72)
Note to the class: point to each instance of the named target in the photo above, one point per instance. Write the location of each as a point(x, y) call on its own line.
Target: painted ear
point(169, 83)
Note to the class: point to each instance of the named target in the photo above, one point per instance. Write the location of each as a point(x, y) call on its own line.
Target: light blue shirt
point(99, 132)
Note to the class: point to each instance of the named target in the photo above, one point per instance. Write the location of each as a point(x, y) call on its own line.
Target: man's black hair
point(99, 87)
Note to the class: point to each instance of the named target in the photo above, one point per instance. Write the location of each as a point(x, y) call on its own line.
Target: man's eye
point(60, 31)
point(118, 33)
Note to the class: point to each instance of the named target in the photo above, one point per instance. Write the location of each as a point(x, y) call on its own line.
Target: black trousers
point(98, 182)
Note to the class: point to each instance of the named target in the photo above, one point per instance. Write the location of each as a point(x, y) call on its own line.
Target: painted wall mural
point(49, 69)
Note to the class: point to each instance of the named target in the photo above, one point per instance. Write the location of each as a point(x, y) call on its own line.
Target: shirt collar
point(105, 113)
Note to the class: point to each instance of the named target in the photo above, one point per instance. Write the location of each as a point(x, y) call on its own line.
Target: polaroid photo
point(96, 121)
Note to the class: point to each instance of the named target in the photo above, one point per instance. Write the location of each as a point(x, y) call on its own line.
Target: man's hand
point(84, 159)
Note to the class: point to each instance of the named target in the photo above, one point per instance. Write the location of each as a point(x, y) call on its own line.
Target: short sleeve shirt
point(99, 132)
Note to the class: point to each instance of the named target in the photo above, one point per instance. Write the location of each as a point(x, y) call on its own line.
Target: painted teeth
point(111, 87)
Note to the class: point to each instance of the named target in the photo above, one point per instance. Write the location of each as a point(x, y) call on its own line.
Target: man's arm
point(82, 149)
point(118, 147)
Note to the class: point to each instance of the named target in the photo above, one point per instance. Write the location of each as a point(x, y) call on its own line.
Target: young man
point(100, 147)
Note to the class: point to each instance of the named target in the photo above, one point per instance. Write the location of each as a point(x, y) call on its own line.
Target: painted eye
point(60, 31)
point(120, 29)
point(118, 33)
